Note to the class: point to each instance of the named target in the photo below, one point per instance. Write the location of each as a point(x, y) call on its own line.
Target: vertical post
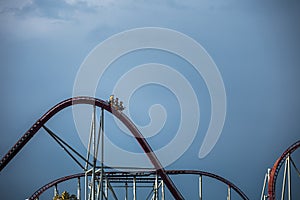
point(98, 190)
point(266, 180)
point(200, 187)
point(289, 177)
point(126, 190)
point(86, 186)
point(264, 187)
point(102, 151)
point(55, 190)
point(78, 189)
point(156, 187)
point(229, 193)
point(162, 190)
point(284, 180)
point(134, 188)
point(106, 188)
point(86, 170)
point(94, 155)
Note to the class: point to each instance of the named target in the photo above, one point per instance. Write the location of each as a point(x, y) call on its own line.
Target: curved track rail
point(276, 167)
point(41, 190)
point(105, 105)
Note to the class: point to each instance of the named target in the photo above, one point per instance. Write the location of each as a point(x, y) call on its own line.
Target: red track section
point(126, 174)
point(102, 104)
point(275, 169)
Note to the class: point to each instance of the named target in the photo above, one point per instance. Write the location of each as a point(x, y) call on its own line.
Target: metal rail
point(276, 167)
point(126, 175)
point(102, 104)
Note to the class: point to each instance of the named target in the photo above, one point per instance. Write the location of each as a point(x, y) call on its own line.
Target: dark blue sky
point(255, 45)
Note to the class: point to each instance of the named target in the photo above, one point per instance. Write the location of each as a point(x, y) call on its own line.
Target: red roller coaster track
point(105, 105)
point(276, 167)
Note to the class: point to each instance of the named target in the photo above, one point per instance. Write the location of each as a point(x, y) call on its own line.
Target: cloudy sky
point(255, 45)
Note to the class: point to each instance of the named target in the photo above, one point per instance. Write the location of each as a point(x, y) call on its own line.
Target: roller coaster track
point(106, 106)
point(119, 175)
point(147, 175)
point(276, 167)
